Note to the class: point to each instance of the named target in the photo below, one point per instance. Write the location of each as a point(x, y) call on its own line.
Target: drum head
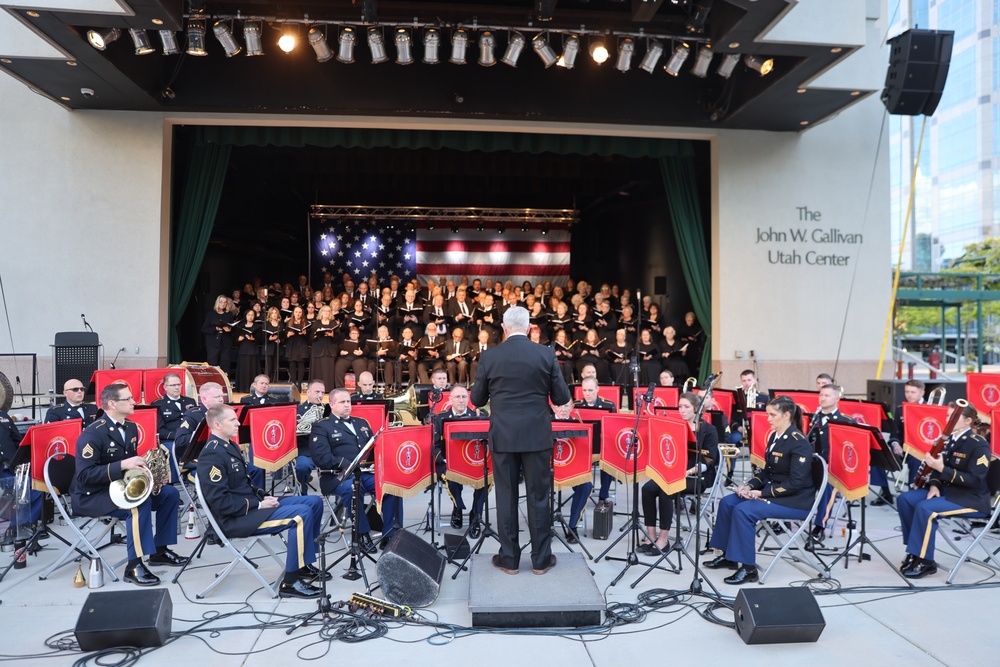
point(6, 393)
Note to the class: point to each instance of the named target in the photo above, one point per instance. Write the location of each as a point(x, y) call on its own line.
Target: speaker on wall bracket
point(918, 69)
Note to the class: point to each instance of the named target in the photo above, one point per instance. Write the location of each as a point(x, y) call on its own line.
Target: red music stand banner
point(609, 392)
point(146, 421)
point(402, 462)
point(864, 412)
point(663, 397)
point(48, 440)
point(375, 415)
point(922, 426)
point(152, 383)
point(850, 459)
point(464, 457)
point(272, 434)
point(616, 431)
point(668, 454)
point(760, 431)
point(983, 391)
point(128, 376)
point(725, 399)
point(995, 434)
point(571, 456)
point(807, 400)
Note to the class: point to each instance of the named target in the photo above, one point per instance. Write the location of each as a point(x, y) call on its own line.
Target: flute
point(733, 487)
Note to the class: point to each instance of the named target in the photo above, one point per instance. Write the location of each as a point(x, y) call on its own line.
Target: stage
point(883, 623)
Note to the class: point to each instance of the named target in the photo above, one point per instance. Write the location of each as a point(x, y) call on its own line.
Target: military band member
point(258, 392)
point(104, 451)
point(366, 389)
point(913, 392)
point(785, 482)
point(592, 400)
point(819, 436)
point(304, 464)
point(957, 487)
point(243, 509)
point(459, 410)
point(170, 413)
point(74, 407)
point(748, 381)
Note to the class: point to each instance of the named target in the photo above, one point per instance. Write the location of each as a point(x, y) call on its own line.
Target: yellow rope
point(902, 245)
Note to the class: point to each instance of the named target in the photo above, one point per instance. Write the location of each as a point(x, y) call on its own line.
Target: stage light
point(376, 46)
point(653, 54)
point(487, 45)
point(524, 228)
point(454, 229)
point(625, 52)
point(480, 227)
point(459, 45)
point(226, 39)
point(702, 62)
point(677, 58)
point(345, 45)
point(289, 37)
point(140, 40)
point(404, 47)
point(727, 65)
point(253, 38)
point(545, 229)
point(501, 229)
point(599, 52)
point(699, 14)
point(196, 38)
point(514, 47)
point(99, 39)
point(757, 64)
point(571, 47)
point(432, 42)
point(169, 41)
point(541, 46)
point(430, 226)
point(317, 40)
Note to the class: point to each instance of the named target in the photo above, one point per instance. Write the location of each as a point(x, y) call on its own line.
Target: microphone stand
point(324, 607)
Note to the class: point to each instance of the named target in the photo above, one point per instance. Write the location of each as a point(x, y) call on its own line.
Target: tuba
point(136, 486)
point(936, 397)
point(404, 402)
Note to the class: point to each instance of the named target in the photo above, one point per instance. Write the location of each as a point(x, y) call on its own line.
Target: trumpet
point(689, 384)
point(728, 451)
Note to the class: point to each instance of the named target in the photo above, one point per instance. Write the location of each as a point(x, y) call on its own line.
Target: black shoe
point(920, 568)
point(499, 565)
point(817, 534)
point(168, 557)
point(456, 518)
point(140, 575)
point(720, 562)
point(367, 546)
point(907, 562)
point(313, 572)
point(882, 499)
point(383, 543)
point(571, 537)
point(776, 528)
point(212, 538)
point(744, 575)
point(548, 566)
point(299, 589)
point(475, 527)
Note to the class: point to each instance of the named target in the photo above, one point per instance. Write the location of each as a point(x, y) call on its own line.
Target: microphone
point(112, 366)
point(648, 397)
point(84, 318)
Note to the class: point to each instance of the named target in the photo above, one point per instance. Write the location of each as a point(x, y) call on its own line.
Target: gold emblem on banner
point(215, 474)
point(88, 452)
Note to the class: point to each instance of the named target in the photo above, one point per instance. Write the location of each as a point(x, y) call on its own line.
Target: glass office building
point(957, 188)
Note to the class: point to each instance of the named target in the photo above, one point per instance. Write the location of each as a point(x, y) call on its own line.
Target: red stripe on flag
point(458, 245)
point(492, 270)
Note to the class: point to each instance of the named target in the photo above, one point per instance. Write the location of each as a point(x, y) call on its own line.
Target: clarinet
point(924, 473)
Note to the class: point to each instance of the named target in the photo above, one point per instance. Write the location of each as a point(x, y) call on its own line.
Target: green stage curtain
point(192, 228)
point(685, 212)
point(518, 142)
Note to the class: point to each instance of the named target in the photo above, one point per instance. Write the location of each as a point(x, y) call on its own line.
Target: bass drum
point(198, 374)
point(6, 393)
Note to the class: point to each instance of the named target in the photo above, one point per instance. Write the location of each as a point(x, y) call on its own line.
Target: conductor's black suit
point(518, 377)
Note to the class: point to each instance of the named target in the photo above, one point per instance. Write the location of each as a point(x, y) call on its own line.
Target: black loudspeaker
point(659, 284)
point(124, 618)
point(918, 69)
point(410, 570)
point(777, 616)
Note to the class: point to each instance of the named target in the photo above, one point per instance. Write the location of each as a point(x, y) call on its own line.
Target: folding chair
point(707, 505)
point(964, 525)
point(239, 555)
point(60, 469)
point(189, 500)
point(798, 537)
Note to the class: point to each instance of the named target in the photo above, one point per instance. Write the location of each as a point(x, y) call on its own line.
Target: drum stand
point(323, 606)
point(487, 529)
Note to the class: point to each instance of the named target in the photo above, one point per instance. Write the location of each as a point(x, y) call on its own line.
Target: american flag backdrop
point(360, 247)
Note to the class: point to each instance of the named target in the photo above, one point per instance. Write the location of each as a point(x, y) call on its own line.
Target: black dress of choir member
point(648, 353)
point(105, 450)
point(653, 321)
point(672, 353)
point(785, 482)
point(456, 354)
point(619, 358)
point(590, 350)
point(248, 361)
point(359, 317)
point(702, 461)
point(630, 324)
point(383, 357)
point(272, 343)
point(429, 356)
point(957, 487)
point(217, 327)
point(605, 322)
point(539, 318)
point(459, 410)
point(385, 314)
point(297, 346)
point(323, 358)
point(74, 407)
point(351, 357)
point(243, 509)
point(582, 323)
point(565, 354)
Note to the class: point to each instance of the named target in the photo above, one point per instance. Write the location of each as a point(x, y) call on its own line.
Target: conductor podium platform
point(565, 597)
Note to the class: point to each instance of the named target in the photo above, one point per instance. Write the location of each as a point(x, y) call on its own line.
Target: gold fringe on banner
point(849, 494)
point(621, 475)
point(572, 481)
point(474, 482)
point(407, 492)
point(272, 465)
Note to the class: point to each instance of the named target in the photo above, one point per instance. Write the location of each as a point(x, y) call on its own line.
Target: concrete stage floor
point(871, 617)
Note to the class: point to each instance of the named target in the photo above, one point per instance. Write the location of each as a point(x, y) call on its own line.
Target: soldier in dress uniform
point(243, 509)
point(459, 410)
point(819, 436)
point(74, 407)
point(913, 392)
point(258, 392)
point(785, 482)
point(366, 389)
point(104, 451)
point(592, 400)
point(170, 413)
point(957, 487)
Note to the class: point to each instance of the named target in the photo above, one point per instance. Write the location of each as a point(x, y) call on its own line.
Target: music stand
point(355, 551)
point(882, 457)
point(487, 529)
point(555, 509)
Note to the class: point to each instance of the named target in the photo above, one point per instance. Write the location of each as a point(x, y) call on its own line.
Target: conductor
point(518, 378)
